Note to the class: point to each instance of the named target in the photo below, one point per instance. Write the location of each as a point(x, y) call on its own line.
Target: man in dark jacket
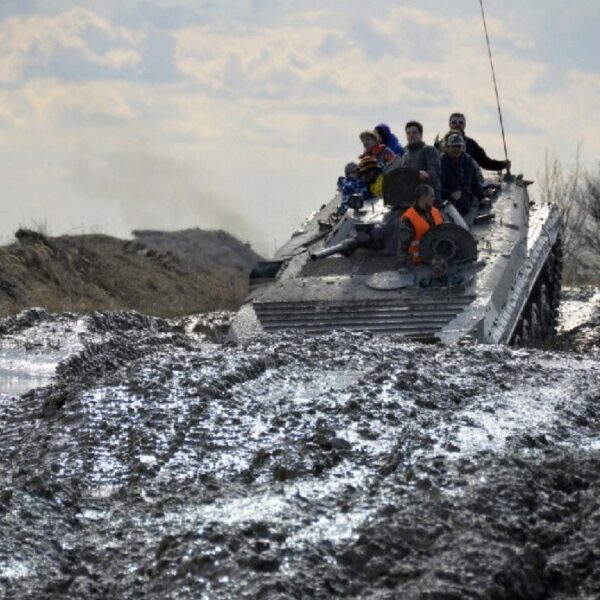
point(460, 176)
point(458, 121)
point(425, 159)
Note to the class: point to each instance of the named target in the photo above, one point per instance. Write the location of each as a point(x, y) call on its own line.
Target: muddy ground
point(160, 462)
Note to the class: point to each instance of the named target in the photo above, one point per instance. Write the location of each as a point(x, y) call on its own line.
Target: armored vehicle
point(495, 280)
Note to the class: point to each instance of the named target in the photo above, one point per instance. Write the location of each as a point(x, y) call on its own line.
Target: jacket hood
point(384, 131)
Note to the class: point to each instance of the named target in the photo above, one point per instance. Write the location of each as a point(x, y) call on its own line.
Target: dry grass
point(98, 272)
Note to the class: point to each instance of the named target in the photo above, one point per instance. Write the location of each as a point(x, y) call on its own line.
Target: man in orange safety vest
point(414, 224)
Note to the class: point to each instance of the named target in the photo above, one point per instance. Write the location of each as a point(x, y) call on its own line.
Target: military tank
point(494, 280)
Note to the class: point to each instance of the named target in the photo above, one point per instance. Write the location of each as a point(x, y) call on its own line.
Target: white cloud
point(50, 100)
point(33, 40)
point(268, 112)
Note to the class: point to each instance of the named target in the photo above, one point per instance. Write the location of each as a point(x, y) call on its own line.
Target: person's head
point(368, 168)
point(457, 121)
point(414, 132)
point(455, 145)
point(351, 170)
point(452, 132)
point(384, 132)
point(424, 197)
point(369, 140)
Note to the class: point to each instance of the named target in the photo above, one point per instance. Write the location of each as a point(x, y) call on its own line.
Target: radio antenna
point(487, 39)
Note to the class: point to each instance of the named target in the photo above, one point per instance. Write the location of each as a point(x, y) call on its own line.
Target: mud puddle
point(579, 305)
point(31, 347)
point(579, 320)
point(160, 462)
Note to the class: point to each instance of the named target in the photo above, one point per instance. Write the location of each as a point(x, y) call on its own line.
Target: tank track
point(537, 324)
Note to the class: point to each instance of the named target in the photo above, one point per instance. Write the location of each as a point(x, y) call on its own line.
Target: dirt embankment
point(198, 249)
point(159, 273)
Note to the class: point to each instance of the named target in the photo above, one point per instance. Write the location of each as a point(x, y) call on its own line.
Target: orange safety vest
point(421, 227)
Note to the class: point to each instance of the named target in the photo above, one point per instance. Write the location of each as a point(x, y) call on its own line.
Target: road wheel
point(551, 277)
point(546, 314)
point(525, 333)
point(557, 264)
point(535, 325)
point(548, 269)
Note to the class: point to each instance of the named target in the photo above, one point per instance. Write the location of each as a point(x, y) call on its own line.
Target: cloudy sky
point(118, 115)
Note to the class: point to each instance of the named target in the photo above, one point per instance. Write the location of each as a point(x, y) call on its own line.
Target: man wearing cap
point(460, 175)
point(458, 121)
point(423, 158)
point(414, 224)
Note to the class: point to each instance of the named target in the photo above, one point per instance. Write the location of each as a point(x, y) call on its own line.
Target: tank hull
point(337, 292)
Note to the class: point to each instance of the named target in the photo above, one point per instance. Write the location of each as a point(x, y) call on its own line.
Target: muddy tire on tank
point(545, 312)
point(535, 325)
point(549, 274)
point(517, 339)
point(555, 279)
point(525, 333)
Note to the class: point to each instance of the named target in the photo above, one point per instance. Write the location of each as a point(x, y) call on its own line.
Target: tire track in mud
point(458, 490)
point(289, 467)
point(53, 405)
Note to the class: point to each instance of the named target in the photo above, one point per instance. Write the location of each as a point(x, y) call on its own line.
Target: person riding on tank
point(423, 158)
point(458, 121)
point(348, 185)
point(414, 224)
point(460, 176)
point(389, 139)
point(373, 147)
point(370, 179)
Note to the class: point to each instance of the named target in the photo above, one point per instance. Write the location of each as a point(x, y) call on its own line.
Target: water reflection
point(12, 384)
point(20, 373)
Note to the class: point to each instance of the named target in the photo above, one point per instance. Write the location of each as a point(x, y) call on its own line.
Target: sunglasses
point(457, 122)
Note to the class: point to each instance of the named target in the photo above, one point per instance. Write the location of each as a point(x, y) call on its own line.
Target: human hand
point(424, 175)
point(507, 164)
point(456, 195)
